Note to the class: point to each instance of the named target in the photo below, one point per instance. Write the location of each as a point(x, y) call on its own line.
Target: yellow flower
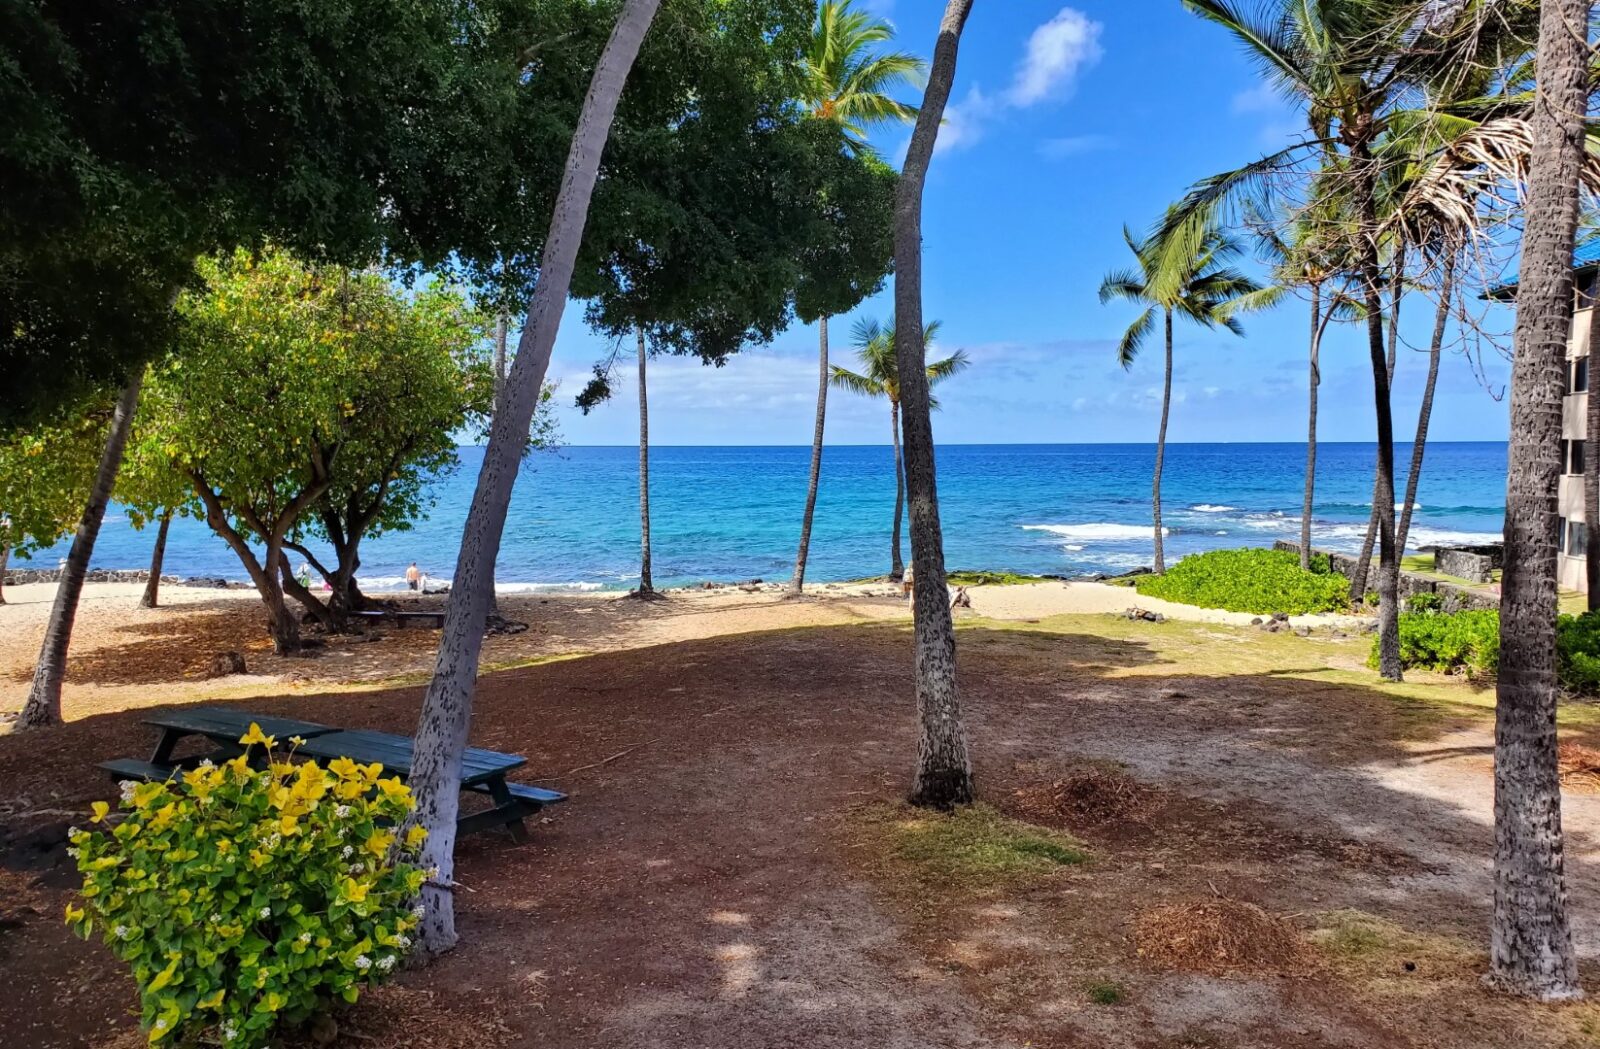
point(379, 843)
point(416, 836)
point(344, 768)
point(289, 825)
point(393, 788)
point(255, 735)
point(100, 810)
point(298, 741)
point(74, 914)
point(353, 890)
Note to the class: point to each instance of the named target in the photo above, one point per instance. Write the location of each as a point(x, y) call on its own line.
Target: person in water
point(413, 576)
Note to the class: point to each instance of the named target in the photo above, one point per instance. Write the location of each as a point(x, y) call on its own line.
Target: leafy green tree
point(304, 389)
point(1197, 286)
point(46, 473)
point(879, 377)
point(848, 83)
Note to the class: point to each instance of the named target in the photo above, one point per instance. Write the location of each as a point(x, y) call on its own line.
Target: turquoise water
point(729, 514)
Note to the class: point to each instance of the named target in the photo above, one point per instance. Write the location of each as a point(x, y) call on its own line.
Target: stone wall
point(19, 576)
point(1452, 597)
point(1474, 563)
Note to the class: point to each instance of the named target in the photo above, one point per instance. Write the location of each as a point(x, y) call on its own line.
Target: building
point(1573, 538)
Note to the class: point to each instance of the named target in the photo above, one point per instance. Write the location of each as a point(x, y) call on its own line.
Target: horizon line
point(1023, 444)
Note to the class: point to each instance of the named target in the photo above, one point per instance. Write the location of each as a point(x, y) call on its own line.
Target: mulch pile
point(1218, 936)
point(1580, 766)
point(1089, 797)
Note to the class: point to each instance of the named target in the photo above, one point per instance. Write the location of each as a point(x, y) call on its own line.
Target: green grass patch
point(1105, 992)
point(975, 844)
point(990, 578)
point(1257, 581)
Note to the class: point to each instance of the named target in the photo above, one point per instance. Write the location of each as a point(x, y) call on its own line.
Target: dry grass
point(1218, 936)
point(1089, 797)
point(1580, 767)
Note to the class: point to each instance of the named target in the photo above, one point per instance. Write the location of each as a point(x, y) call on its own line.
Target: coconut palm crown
point(848, 79)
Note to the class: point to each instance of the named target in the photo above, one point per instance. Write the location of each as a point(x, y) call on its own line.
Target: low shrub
point(1424, 603)
point(1470, 642)
point(1258, 581)
point(1458, 642)
point(246, 901)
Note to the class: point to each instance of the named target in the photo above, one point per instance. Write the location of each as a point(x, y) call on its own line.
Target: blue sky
point(1068, 121)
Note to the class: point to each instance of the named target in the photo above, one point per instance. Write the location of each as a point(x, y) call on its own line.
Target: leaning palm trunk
point(1591, 465)
point(446, 709)
point(944, 772)
point(1314, 380)
point(1530, 948)
point(798, 582)
point(1358, 583)
point(152, 585)
point(897, 566)
point(1425, 411)
point(5, 558)
point(43, 706)
point(1383, 497)
point(1161, 448)
point(645, 586)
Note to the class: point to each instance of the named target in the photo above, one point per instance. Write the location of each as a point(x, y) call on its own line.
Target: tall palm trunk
point(944, 771)
point(152, 585)
point(798, 582)
point(447, 708)
point(1530, 947)
point(5, 557)
point(1383, 497)
point(1441, 319)
point(1161, 446)
point(1358, 583)
point(43, 706)
point(1313, 381)
point(897, 567)
point(645, 586)
point(1591, 463)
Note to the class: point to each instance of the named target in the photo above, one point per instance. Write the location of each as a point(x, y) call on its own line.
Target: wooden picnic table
point(482, 771)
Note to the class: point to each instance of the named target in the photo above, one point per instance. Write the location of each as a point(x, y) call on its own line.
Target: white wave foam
point(1072, 546)
point(1100, 531)
point(581, 586)
point(1212, 508)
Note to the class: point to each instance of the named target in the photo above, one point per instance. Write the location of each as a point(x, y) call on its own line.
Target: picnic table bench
point(482, 771)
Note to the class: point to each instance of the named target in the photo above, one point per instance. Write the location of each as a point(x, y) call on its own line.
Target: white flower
point(358, 868)
point(432, 873)
point(127, 787)
point(305, 937)
point(419, 911)
point(266, 912)
point(205, 763)
point(229, 1031)
point(72, 832)
point(216, 918)
point(73, 852)
point(386, 963)
point(161, 1025)
point(402, 942)
point(346, 852)
point(363, 962)
point(123, 932)
point(342, 811)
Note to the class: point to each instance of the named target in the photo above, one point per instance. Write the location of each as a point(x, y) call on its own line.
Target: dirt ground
point(731, 869)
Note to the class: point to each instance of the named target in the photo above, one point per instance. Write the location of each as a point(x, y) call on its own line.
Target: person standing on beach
point(413, 576)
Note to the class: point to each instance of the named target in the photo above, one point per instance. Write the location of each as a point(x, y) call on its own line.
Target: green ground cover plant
point(1262, 582)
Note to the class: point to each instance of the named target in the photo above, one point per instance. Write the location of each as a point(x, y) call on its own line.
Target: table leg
point(513, 808)
point(165, 746)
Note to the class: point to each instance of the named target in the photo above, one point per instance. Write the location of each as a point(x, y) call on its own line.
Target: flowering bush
point(249, 900)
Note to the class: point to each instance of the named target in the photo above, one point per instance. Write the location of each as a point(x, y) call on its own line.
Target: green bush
point(1253, 580)
point(1424, 603)
point(1460, 641)
point(1470, 642)
point(247, 901)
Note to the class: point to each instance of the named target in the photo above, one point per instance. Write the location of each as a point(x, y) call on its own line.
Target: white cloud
point(1073, 145)
point(1056, 51)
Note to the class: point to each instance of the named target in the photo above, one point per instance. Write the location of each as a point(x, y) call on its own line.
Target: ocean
point(733, 514)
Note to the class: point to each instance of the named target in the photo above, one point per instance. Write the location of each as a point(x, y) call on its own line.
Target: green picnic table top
point(396, 754)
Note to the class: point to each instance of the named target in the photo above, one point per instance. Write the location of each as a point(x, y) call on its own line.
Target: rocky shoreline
point(21, 576)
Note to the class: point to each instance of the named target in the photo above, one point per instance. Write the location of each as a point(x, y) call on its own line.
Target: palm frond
point(1133, 339)
point(846, 379)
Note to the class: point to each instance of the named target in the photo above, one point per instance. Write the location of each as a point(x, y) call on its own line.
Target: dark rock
point(1303, 631)
point(225, 663)
point(1257, 621)
point(1280, 617)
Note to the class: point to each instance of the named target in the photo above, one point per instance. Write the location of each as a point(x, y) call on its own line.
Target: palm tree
point(879, 378)
point(1356, 67)
point(1530, 949)
point(847, 82)
point(646, 587)
point(943, 776)
point(1198, 286)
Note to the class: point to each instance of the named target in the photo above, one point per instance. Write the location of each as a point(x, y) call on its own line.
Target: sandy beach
point(126, 656)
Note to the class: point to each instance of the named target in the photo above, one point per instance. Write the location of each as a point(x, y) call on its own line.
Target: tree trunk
point(1161, 450)
point(798, 582)
point(501, 324)
point(645, 586)
point(152, 585)
point(446, 709)
point(1425, 411)
point(1530, 949)
point(44, 698)
point(1364, 562)
point(897, 565)
point(1314, 380)
point(1591, 465)
point(5, 557)
point(944, 771)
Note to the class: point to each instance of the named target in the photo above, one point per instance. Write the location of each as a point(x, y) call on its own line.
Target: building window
point(1575, 464)
point(1561, 535)
point(1583, 285)
point(1566, 455)
point(1578, 539)
point(1579, 381)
